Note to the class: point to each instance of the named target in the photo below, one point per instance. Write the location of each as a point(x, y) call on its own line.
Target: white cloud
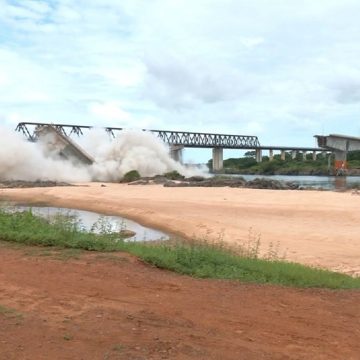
point(252, 41)
point(37, 6)
point(20, 13)
point(177, 83)
point(241, 66)
point(128, 76)
point(109, 111)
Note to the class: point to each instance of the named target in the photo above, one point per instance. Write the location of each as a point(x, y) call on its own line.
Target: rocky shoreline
point(313, 172)
point(16, 184)
point(219, 181)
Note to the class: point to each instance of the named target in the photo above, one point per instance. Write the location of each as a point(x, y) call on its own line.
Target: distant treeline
point(321, 166)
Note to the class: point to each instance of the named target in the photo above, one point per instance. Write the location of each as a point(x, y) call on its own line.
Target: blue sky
point(282, 70)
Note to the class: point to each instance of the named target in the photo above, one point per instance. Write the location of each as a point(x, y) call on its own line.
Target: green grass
point(206, 261)
point(197, 259)
point(118, 347)
point(26, 228)
point(10, 313)
point(68, 337)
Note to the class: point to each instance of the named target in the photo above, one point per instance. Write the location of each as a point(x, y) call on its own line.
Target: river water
point(93, 221)
point(317, 182)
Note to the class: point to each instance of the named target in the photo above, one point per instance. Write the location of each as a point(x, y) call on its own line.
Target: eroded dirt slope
point(103, 306)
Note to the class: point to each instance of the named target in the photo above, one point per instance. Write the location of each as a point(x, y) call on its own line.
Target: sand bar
point(312, 227)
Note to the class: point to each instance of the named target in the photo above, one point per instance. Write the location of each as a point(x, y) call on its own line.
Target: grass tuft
point(197, 258)
point(10, 313)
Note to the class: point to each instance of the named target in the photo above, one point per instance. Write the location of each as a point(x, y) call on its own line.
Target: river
point(317, 182)
point(91, 221)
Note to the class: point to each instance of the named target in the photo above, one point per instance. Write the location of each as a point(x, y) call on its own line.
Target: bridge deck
point(184, 138)
point(180, 138)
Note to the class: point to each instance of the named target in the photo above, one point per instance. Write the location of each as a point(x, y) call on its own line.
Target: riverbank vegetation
point(197, 258)
point(298, 166)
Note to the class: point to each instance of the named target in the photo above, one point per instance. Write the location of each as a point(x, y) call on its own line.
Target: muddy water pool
point(91, 221)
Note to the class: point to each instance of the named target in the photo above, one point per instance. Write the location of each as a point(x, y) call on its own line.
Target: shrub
point(174, 175)
point(130, 176)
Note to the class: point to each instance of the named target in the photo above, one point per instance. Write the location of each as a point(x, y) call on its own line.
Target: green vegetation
point(67, 337)
point(174, 175)
point(205, 261)
point(353, 159)
point(198, 258)
point(118, 347)
point(130, 176)
point(289, 166)
point(10, 313)
point(26, 228)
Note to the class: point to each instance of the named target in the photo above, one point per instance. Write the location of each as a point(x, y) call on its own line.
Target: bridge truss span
point(178, 138)
point(206, 140)
point(29, 129)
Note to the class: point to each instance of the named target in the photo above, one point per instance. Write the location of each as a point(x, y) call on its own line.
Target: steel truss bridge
point(178, 138)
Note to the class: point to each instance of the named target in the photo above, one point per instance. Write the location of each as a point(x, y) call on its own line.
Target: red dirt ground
point(106, 306)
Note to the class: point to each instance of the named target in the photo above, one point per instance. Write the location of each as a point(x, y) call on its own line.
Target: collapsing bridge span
point(184, 138)
point(178, 140)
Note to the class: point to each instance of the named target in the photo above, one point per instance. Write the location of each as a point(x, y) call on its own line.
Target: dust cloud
point(130, 150)
point(23, 160)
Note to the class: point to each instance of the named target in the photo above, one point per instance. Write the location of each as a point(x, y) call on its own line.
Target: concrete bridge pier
point(283, 154)
point(304, 155)
point(176, 152)
point(340, 159)
point(271, 154)
point(258, 155)
point(340, 145)
point(314, 155)
point(217, 159)
point(293, 154)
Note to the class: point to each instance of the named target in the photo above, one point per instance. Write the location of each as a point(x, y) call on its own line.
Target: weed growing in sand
point(101, 226)
point(204, 261)
point(10, 313)
point(65, 232)
point(196, 258)
point(251, 248)
point(67, 337)
point(118, 347)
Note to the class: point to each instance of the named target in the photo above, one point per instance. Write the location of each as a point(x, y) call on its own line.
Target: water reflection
point(316, 182)
point(91, 221)
point(340, 182)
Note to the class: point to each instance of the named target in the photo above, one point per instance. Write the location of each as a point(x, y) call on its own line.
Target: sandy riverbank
point(312, 227)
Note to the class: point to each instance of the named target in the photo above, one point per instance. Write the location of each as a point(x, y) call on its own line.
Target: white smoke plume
point(131, 150)
point(22, 160)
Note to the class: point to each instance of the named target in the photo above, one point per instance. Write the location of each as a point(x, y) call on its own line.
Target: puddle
point(88, 219)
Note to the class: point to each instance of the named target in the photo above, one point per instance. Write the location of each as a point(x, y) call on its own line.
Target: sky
point(279, 69)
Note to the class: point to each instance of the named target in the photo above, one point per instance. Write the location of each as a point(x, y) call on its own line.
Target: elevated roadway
point(181, 139)
point(340, 145)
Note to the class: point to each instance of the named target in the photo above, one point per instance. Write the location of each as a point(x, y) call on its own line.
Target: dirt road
point(103, 306)
point(311, 227)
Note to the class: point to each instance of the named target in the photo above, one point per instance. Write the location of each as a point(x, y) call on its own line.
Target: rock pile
point(30, 184)
point(219, 181)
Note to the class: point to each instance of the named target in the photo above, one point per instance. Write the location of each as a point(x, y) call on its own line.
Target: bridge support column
point(218, 159)
point(314, 155)
point(176, 152)
point(340, 161)
point(293, 154)
point(258, 155)
point(304, 155)
point(282, 156)
point(271, 154)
